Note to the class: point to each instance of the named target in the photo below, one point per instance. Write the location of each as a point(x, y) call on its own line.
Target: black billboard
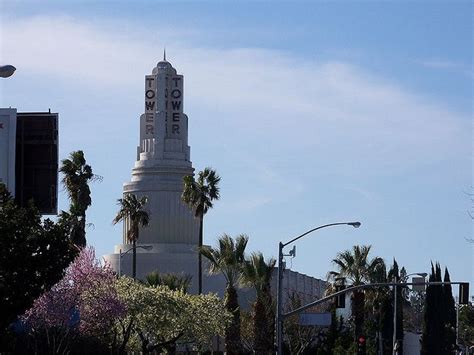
point(36, 175)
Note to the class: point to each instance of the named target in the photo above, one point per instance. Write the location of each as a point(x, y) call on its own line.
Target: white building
point(163, 159)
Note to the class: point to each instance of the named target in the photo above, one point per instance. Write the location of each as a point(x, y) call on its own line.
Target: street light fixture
point(145, 247)
point(6, 71)
point(394, 339)
point(279, 317)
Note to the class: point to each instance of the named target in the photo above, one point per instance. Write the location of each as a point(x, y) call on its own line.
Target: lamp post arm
point(353, 288)
point(315, 229)
point(279, 315)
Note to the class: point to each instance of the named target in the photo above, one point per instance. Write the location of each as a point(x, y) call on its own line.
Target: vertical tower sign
point(163, 125)
point(150, 106)
point(173, 103)
point(164, 93)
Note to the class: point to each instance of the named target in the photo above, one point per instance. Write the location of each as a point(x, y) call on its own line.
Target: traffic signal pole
point(373, 285)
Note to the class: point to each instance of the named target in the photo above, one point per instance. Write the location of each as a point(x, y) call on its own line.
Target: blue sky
point(312, 112)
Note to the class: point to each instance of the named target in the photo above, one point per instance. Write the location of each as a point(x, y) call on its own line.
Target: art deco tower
point(170, 243)
point(163, 159)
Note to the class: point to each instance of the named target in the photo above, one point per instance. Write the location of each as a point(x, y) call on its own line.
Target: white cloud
point(289, 105)
point(447, 65)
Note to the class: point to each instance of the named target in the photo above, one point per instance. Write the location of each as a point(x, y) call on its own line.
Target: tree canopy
point(34, 255)
point(124, 314)
point(76, 177)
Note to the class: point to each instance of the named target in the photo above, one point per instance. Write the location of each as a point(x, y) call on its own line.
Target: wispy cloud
point(440, 64)
point(333, 113)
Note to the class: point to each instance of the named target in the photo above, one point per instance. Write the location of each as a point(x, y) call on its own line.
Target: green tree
point(379, 310)
point(33, 258)
point(76, 177)
point(158, 318)
point(131, 210)
point(449, 314)
point(228, 258)
point(198, 195)
point(299, 339)
point(257, 274)
point(172, 281)
point(433, 322)
point(355, 268)
point(396, 274)
point(466, 325)
point(439, 328)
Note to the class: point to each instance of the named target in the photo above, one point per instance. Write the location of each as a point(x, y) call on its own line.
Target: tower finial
point(164, 54)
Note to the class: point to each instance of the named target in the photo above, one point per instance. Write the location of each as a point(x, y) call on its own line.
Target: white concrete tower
point(163, 159)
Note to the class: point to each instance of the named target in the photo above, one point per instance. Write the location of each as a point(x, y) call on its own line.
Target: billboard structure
point(37, 160)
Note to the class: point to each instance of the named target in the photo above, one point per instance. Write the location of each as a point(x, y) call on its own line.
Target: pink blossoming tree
point(84, 302)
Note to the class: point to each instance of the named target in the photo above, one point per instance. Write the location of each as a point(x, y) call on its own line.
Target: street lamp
point(145, 247)
point(6, 71)
point(394, 339)
point(279, 317)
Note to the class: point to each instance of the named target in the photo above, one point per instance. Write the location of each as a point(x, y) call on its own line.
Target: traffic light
point(464, 293)
point(361, 345)
point(341, 299)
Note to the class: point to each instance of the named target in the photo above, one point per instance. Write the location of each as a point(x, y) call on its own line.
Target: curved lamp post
point(6, 71)
point(279, 317)
point(394, 339)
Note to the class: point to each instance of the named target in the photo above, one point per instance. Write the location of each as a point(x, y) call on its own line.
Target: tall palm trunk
point(263, 326)
point(260, 327)
point(233, 343)
point(358, 312)
point(201, 219)
point(134, 259)
point(82, 231)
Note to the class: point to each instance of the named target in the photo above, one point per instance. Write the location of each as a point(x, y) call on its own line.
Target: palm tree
point(257, 273)
point(131, 209)
point(229, 259)
point(172, 281)
point(354, 268)
point(198, 195)
point(77, 175)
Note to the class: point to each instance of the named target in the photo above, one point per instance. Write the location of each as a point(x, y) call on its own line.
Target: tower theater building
point(170, 242)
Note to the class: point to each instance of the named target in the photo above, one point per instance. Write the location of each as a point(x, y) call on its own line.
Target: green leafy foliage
point(34, 255)
point(466, 325)
point(76, 177)
point(257, 273)
point(132, 210)
point(228, 258)
point(439, 316)
point(172, 281)
point(198, 195)
point(355, 268)
point(159, 319)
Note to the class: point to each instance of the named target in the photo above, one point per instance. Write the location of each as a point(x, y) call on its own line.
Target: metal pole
point(457, 325)
point(279, 315)
point(279, 320)
point(120, 263)
point(394, 315)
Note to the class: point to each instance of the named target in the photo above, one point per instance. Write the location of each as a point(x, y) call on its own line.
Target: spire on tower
point(164, 54)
